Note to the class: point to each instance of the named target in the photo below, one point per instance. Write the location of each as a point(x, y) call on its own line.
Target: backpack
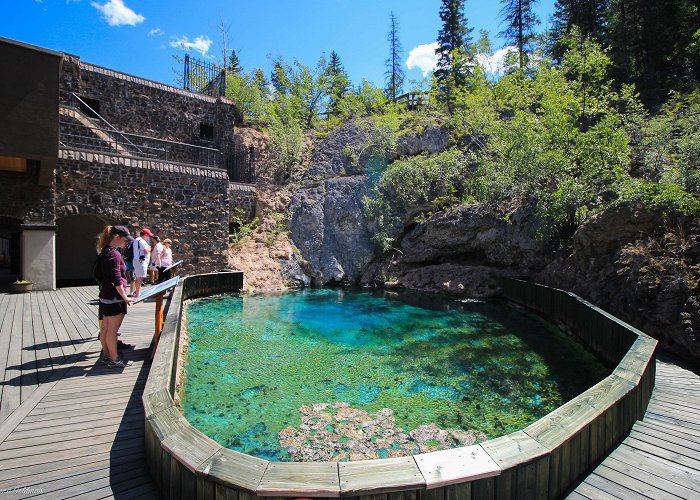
point(97, 271)
point(128, 252)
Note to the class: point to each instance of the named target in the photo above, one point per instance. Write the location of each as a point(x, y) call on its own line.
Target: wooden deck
point(78, 431)
point(661, 456)
point(71, 427)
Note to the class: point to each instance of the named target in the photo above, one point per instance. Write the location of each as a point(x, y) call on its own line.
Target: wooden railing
point(544, 460)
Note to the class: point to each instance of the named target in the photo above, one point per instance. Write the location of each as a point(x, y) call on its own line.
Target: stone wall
point(140, 106)
point(24, 199)
point(241, 197)
point(186, 204)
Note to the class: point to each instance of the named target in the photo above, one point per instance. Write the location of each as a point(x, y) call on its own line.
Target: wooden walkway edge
point(661, 456)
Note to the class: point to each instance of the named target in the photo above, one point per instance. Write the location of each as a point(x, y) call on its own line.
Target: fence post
point(186, 82)
point(251, 165)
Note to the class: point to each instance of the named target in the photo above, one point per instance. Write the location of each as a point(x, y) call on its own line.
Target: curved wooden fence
point(544, 460)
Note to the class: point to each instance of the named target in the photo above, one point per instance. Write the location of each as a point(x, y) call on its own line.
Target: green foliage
point(671, 147)
point(286, 144)
point(338, 86)
point(454, 51)
point(280, 225)
point(411, 187)
point(242, 226)
point(251, 103)
point(520, 21)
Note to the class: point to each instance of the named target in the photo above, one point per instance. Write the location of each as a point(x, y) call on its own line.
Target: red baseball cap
point(146, 231)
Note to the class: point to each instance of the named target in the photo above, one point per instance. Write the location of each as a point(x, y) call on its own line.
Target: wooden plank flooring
point(39, 331)
point(661, 456)
point(78, 431)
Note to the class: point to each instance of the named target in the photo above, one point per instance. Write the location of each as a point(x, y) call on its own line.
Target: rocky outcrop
point(431, 140)
point(640, 267)
point(627, 260)
point(327, 222)
point(329, 229)
point(465, 251)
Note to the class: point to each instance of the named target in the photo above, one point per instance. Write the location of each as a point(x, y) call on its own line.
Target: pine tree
point(338, 84)
point(520, 23)
point(394, 72)
point(652, 43)
point(589, 15)
point(454, 51)
point(234, 64)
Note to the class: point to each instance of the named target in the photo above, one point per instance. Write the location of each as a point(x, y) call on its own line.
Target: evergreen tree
point(589, 15)
point(454, 51)
point(520, 23)
point(261, 82)
point(234, 64)
point(338, 84)
point(280, 76)
point(653, 43)
point(394, 72)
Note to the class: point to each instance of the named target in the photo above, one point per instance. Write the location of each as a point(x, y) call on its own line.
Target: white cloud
point(118, 14)
point(156, 32)
point(495, 64)
point(201, 44)
point(423, 57)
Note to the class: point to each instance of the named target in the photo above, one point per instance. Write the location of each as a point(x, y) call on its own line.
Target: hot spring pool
point(338, 374)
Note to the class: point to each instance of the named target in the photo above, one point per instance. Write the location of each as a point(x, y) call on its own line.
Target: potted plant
point(22, 286)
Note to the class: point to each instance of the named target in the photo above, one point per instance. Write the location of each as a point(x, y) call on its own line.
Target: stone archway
point(76, 236)
point(10, 254)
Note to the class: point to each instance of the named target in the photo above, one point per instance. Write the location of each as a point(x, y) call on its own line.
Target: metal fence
point(240, 163)
point(204, 78)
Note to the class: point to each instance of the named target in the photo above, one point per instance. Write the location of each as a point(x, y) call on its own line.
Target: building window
point(12, 164)
point(89, 107)
point(206, 131)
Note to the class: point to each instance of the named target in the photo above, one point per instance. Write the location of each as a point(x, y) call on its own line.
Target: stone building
point(83, 146)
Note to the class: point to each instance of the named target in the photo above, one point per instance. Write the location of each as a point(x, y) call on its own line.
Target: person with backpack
point(110, 273)
point(142, 249)
point(128, 256)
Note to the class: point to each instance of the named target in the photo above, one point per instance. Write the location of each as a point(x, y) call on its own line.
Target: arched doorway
point(10, 254)
point(76, 236)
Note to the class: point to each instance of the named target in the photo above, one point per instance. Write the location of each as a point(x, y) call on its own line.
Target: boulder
point(431, 140)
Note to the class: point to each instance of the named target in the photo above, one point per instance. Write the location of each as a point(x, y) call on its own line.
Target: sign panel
point(156, 289)
point(172, 266)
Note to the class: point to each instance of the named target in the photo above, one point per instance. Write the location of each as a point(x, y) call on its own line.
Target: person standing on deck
point(141, 251)
point(166, 260)
point(155, 259)
point(112, 297)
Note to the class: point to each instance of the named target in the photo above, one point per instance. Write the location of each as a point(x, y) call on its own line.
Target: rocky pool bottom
point(340, 374)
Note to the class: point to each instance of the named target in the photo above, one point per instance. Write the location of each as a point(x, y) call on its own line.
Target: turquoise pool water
point(338, 374)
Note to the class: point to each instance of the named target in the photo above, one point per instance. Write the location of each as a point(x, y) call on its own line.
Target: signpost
point(158, 291)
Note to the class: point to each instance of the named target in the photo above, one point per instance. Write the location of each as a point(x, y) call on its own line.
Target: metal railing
point(240, 163)
point(204, 78)
point(78, 135)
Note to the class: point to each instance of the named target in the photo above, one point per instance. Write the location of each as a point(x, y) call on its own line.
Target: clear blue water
point(309, 374)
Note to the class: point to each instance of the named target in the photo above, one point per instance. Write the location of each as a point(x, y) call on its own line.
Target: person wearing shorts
point(113, 299)
point(141, 258)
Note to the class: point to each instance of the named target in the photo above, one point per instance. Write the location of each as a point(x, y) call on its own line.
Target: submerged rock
point(338, 432)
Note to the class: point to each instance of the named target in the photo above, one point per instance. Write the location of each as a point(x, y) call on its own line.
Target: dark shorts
point(111, 309)
point(163, 275)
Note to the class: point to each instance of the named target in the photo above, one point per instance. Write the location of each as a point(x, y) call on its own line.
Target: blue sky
point(143, 37)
